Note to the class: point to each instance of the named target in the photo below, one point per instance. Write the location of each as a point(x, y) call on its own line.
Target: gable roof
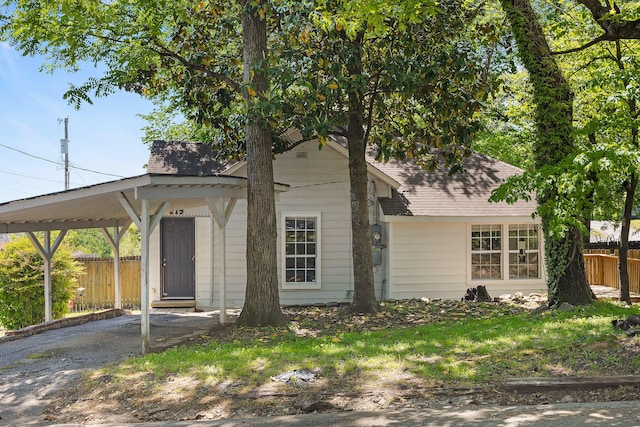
point(185, 158)
point(415, 191)
point(437, 194)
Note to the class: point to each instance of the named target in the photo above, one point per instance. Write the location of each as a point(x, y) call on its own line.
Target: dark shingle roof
point(421, 193)
point(424, 193)
point(185, 158)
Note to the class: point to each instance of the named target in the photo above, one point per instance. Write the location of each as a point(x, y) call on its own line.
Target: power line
point(71, 165)
point(56, 163)
point(30, 177)
point(27, 154)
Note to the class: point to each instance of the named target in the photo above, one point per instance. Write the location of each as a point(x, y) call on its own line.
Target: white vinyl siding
point(426, 260)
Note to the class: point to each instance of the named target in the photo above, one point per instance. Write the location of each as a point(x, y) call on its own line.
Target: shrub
point(22, 283)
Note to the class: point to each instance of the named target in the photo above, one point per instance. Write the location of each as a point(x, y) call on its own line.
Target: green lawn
point(455, 343)
point(410, 351)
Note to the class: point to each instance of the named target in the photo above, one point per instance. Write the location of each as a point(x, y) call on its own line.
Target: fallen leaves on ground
point(152, 399)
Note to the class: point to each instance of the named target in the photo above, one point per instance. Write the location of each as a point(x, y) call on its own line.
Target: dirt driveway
point(35, 368)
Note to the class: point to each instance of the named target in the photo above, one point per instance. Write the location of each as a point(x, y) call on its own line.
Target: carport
point(113, 207)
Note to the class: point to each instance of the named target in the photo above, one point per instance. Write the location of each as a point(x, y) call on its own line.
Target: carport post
point(144, 275)
point(221, 213)
point(46, 252)
point(114, 242)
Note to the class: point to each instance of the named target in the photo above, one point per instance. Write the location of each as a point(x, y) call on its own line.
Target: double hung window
point(301, 251)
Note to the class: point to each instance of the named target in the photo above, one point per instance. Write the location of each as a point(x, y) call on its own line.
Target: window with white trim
point(524, 252)
point(301, 250)
point(486, 251)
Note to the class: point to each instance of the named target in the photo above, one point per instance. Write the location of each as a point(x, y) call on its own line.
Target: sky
point(104, 137)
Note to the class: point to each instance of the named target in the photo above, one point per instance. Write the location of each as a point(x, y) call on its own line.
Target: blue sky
point(104, 137)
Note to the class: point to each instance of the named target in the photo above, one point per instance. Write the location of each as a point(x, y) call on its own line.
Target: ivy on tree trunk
point(262, 301)
point(567, 281)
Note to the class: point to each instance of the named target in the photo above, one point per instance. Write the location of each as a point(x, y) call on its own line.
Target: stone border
point(62, 323)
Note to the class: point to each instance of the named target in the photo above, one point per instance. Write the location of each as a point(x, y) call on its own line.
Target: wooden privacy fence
point(602, 268)
point(99, 286)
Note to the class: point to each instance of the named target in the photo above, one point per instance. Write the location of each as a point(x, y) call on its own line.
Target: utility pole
point(64, 149)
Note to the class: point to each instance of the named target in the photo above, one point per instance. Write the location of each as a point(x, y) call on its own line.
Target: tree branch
point(583, 47)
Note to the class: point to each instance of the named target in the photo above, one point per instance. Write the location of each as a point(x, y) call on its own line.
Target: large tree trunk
point(364, 296)
point(567, 281)
point(262, 301)
point(624, 240)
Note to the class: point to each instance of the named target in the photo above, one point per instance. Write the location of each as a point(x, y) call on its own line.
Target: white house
point(433, 235)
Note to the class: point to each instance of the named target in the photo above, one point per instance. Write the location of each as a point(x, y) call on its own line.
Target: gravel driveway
point(35, 368)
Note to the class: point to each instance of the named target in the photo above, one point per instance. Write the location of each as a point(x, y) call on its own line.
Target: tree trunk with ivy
point(567, 281)
point(262, 301)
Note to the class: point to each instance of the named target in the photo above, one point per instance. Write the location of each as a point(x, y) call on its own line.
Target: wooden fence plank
point(98, 284)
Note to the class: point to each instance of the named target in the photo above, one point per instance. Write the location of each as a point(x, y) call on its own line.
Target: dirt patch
point(180, 398)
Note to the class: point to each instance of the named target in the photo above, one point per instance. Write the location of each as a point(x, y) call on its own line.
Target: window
point(301, 247)
point(523, 251)
point(486, 252)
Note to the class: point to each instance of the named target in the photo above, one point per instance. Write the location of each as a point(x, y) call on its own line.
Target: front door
point(178, 258)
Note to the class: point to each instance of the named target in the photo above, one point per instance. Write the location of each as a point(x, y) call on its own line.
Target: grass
point(454, 349)
point(409, 350)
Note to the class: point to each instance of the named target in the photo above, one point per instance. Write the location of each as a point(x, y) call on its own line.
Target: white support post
point(212, 262)
point(221, 214)
point(46, 252)
point(146, 223)
point(145, 231)
point(223, 275)
point(48, 304)
point(114, 242)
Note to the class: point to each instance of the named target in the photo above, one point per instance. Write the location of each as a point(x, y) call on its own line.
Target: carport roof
point(103, 205)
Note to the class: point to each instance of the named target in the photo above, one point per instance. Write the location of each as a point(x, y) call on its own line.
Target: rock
point(539, 309)
point(628, 323)
point(296, 376)
point(565, 306)
point(319, 406)
point(567, 399)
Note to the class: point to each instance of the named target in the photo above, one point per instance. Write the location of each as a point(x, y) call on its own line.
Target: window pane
point(495, 272)
point(311, 276)
point(475, 244)
point(291, 275)
point(290, 249)
point(485, 244)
